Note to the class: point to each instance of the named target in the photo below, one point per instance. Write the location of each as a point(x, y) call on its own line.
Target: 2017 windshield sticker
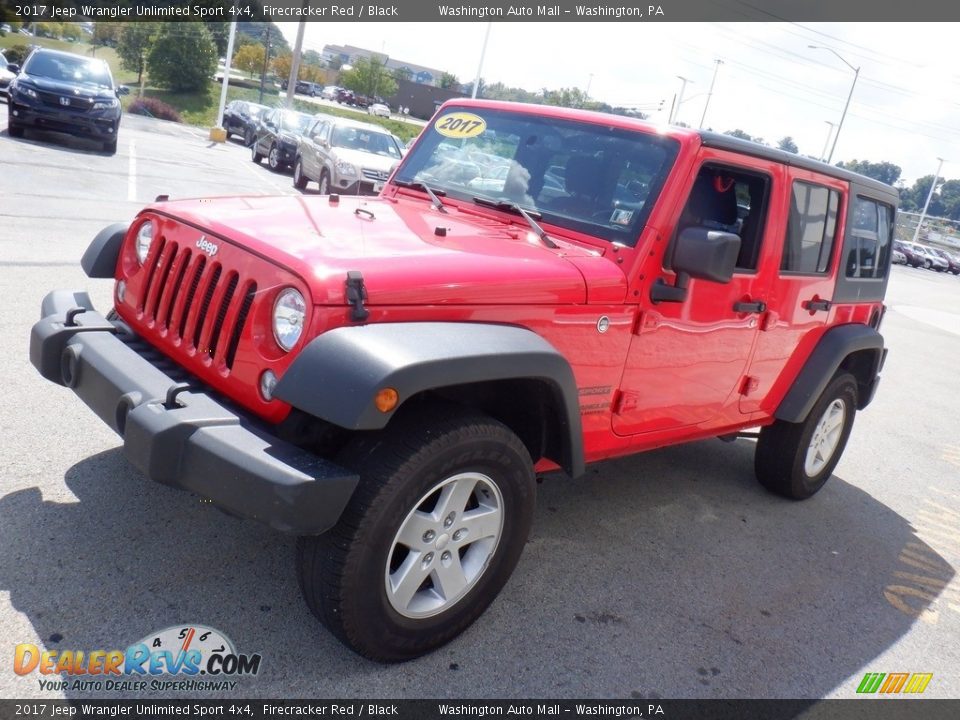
point(460, 125)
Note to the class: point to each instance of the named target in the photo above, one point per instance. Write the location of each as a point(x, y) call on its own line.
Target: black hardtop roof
point(735, 144)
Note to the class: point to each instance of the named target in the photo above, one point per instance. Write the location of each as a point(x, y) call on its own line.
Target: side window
point(811, 229)
point(733, 200)
point(868, 246)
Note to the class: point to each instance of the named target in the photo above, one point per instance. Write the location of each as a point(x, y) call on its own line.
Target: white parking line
point(132, 173)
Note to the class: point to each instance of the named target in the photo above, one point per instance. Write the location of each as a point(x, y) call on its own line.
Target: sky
point(905, 107)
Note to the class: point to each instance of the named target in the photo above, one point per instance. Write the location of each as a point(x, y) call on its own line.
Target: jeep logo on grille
point(208, 247)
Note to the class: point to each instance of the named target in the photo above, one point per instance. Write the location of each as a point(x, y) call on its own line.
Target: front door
point(687, 361)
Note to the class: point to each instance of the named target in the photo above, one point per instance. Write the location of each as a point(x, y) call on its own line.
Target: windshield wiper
point(417, 185)
point(531, 218)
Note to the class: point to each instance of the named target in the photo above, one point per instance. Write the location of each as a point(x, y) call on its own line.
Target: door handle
point(817, 304)
point(750, 307)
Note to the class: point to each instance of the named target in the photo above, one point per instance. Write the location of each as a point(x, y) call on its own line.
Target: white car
point(379, 109)
point(6, 77)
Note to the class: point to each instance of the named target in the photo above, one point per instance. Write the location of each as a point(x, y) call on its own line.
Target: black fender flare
point(337, 375)
point(834, 347)
point(100, 258)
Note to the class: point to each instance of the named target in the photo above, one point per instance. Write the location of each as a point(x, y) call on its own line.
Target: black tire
point(299, 179)
point(249, 137)
point(273, 158)
point(324, 182)
point(343, 574)
point(14, 130)
point(781, 456)
point(110, 147)
point(255, 154)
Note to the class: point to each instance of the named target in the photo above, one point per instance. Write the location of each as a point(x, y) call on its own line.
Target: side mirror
point(123, 90)
point(699, 253)
point(13, 67)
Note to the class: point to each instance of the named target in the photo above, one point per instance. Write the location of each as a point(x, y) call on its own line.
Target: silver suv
point(345, 156)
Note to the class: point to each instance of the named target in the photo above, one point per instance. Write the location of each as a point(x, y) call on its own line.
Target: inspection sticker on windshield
point(621, 217)
point(460, 125)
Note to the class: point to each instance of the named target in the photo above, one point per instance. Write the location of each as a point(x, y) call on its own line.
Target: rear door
point(800, 300)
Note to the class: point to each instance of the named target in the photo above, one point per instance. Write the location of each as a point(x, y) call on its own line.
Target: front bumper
point(186, 439)
point(91, 125)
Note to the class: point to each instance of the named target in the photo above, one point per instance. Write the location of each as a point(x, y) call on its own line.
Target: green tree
point(449, 81)
point(885, 172)
point(402, 73)
point(738, 133)
point(105, 34)
point(249, 58)
point(369, 77)
point(136, 40)
point(788, 145)
point(16, 54)
point(184, 57)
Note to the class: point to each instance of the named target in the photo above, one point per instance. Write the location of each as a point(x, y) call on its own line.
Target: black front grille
point(65, 101)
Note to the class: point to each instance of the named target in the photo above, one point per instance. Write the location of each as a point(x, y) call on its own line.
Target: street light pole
point(703, 117)
point(933, 186)
point(683, 87)
point(483, 52)
point(856, 74)
point(823, 153)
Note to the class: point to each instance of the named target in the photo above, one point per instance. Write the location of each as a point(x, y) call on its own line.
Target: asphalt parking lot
point(671, 574)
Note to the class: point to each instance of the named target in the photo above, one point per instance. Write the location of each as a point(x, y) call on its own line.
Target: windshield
point(295, 122)
point(69, 69)
point(588, 177)
point(358, 138)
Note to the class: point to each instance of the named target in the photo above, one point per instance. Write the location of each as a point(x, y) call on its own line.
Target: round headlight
point(144, 240)
point(289, 313)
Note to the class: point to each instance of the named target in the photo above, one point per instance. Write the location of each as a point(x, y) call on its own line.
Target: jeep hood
point(408, 252)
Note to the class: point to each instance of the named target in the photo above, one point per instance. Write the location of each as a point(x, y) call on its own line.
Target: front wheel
point(14, 131)
point(299, 179)
point(430, 537)
point(324, 183)
point(255, 154)
point(796, 459)
point(273, 158)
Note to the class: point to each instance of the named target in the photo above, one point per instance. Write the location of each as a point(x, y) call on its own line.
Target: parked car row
point(923, 256)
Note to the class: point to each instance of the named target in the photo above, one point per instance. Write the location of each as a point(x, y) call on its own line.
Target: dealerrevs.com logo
point(183, 657)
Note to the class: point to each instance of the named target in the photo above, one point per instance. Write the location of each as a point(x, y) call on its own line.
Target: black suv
point(67, 93)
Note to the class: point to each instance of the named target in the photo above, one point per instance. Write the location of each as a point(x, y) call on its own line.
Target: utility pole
point(703, 117)
point(295, 63)
point(933, 186)
point(266, 59)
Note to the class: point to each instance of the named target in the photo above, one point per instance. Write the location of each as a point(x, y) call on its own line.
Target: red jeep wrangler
point(536, 288)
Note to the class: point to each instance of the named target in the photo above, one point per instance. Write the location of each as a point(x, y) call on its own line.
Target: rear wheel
point(255, 154)
point(431, 535)
point(299, 179)
point(249, 137)
point(796, 459)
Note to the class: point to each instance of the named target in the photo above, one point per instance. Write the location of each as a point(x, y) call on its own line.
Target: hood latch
point(356, 295)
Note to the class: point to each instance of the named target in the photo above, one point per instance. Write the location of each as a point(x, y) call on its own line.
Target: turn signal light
point(386, 400)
